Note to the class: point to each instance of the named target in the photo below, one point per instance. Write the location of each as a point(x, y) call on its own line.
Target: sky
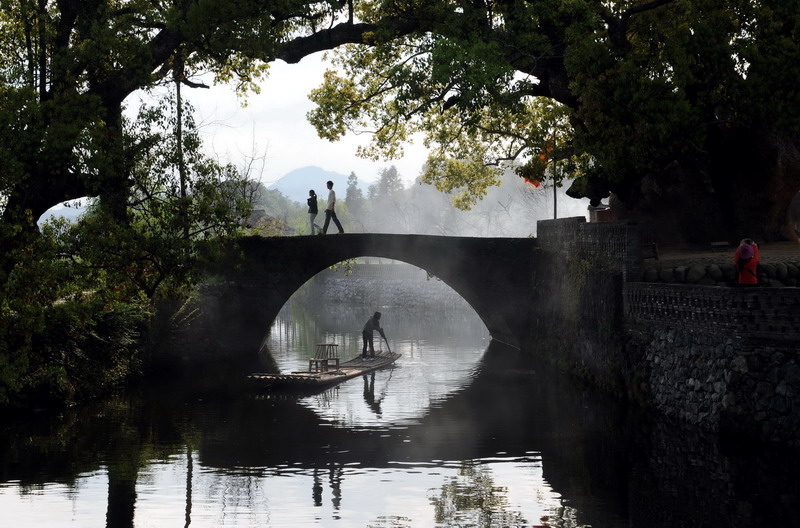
point(274, 124)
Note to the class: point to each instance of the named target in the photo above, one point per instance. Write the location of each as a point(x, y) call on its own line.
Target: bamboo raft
point(317, 379)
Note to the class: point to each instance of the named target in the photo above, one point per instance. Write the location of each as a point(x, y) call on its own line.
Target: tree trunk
point(744, 190)
point(114, 186)
point(757, 173)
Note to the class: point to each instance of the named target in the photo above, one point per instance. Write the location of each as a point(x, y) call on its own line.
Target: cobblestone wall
point(724, 358)
point(753, 312)
point(686, 477)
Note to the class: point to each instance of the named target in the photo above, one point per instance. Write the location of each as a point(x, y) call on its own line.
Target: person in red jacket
point(746, 259)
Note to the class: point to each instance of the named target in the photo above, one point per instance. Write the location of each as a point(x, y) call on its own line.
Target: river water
point(462, 432)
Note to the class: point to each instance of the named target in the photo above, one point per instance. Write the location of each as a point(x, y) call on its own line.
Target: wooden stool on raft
point(327, 354)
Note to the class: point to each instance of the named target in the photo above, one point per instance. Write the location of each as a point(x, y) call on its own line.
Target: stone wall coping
point(770, 313)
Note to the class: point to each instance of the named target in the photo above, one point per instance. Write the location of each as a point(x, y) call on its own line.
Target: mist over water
point(510, 209)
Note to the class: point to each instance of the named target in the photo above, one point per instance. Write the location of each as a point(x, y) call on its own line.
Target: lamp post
point(555, 188)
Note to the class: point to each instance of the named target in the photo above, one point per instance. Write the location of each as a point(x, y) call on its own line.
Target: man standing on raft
point(373, 323)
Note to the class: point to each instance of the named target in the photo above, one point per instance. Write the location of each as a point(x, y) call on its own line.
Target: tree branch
point(641, 8)
point(345, 33)
point(618, 27)
point(193, 84)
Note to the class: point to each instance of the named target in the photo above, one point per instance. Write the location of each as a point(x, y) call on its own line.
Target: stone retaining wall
point(575, 313)
point(757, 313)
point(616, 244)
point(724, 358)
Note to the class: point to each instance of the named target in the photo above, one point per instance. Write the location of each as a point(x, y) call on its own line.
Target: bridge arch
point(492, 274)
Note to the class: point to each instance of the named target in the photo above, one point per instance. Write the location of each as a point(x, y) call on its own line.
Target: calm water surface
point(460, 432)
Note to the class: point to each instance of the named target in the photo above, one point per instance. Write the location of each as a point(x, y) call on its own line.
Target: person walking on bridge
point(330, 210)
point(312, 211)
point(373, 323)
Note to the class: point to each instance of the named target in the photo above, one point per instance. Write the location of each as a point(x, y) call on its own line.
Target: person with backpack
point(312, 210)
point(746, 259)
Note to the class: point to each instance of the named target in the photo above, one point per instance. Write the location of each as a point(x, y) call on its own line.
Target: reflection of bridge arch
point(491, 274)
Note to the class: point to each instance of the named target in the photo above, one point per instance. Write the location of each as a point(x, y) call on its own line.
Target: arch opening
point(440, 337)
point(339, 297)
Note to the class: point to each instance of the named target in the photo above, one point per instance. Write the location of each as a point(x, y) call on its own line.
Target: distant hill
point(71, 213)
point(295, 184)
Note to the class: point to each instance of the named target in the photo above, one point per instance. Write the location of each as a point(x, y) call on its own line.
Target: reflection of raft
point(319, 380)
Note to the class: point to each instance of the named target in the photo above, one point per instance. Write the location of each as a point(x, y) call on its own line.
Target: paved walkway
point(770, 253)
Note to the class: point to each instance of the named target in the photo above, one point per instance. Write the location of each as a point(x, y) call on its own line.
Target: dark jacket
point(372, 325)
point(312, 204)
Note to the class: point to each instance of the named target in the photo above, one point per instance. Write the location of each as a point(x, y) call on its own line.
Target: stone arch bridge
point(492, 274)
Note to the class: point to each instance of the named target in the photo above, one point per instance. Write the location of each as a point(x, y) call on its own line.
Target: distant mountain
point(295, 184)
point(71, 213)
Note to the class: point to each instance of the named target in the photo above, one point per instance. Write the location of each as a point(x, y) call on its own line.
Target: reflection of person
point(316, 488)
point(373, 323)
point(330, 210)
point(746, 259)
point(312, 210)
point(369, 393)
point(335, 479)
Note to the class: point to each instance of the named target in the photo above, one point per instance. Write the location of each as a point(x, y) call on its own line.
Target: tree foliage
point(67, 67)
point(621, 92)
point(170, 238)
point(67, 330)
point(274, 214)
point(81, 295)
point(617, 90)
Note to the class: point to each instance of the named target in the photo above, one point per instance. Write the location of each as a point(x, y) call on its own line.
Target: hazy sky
point(274, 122)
